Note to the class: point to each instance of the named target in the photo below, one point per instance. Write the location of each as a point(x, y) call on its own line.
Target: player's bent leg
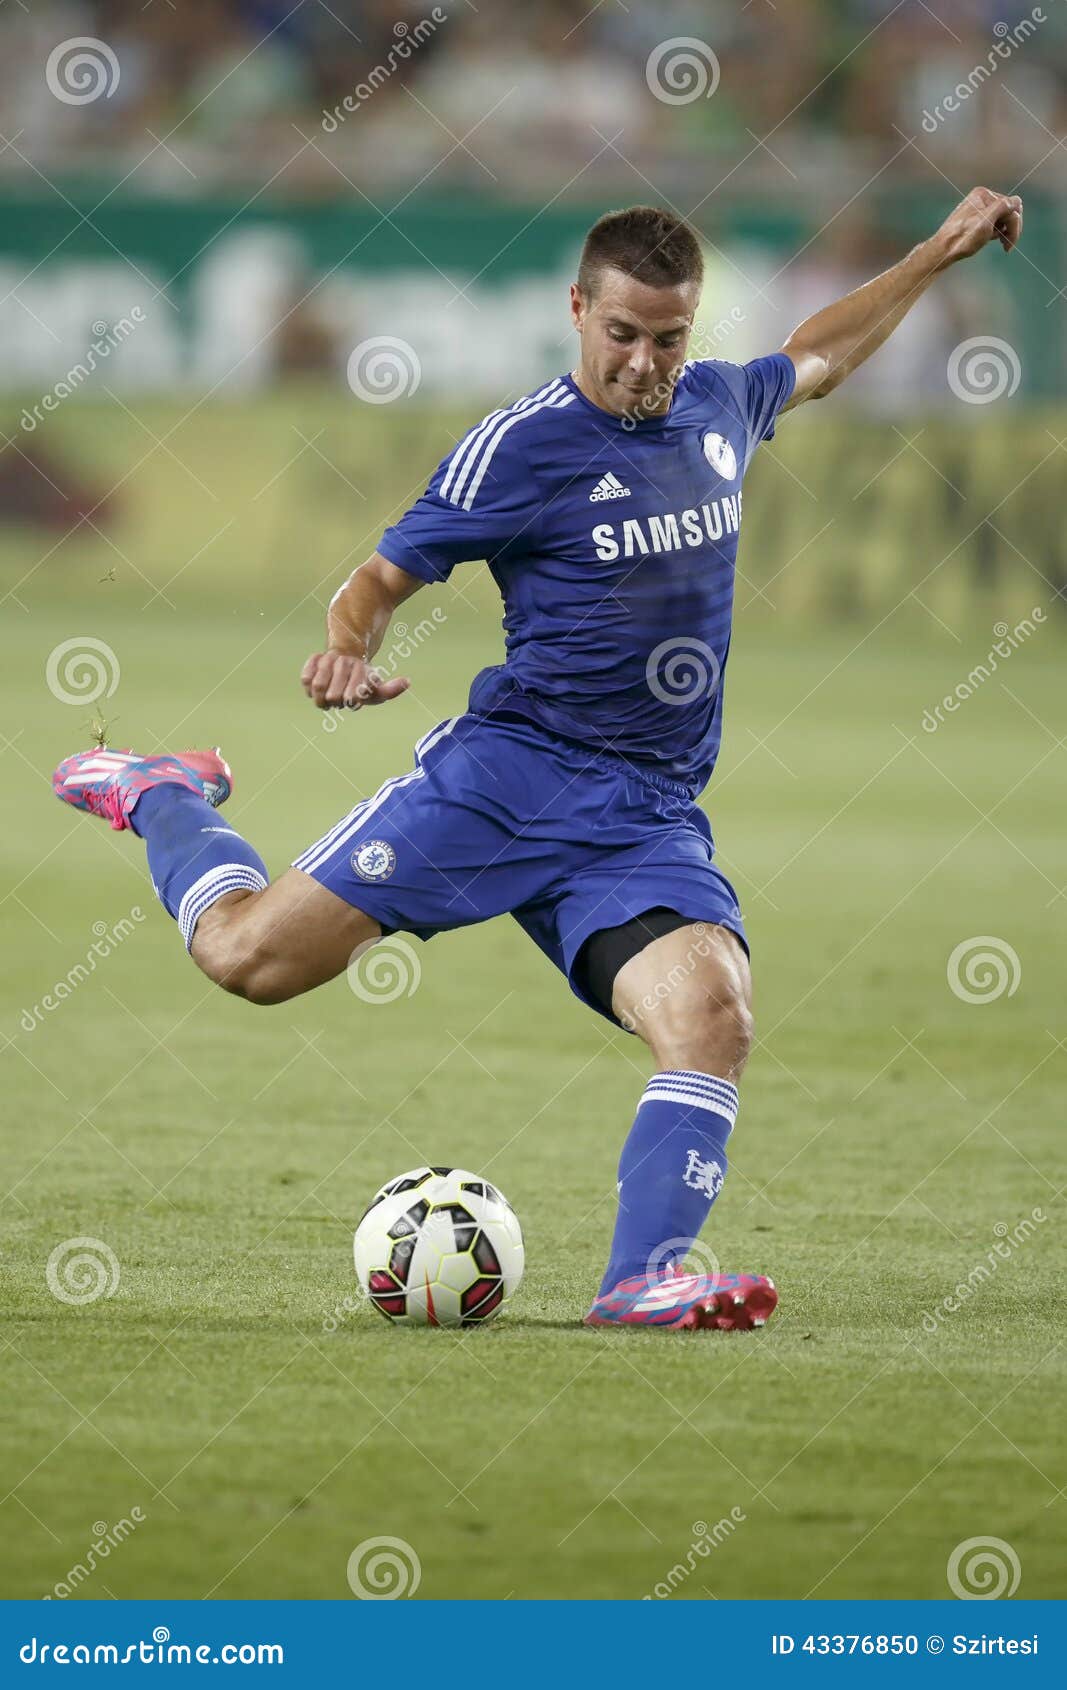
point(265, 943)
point(272, 945)
point(688, 994)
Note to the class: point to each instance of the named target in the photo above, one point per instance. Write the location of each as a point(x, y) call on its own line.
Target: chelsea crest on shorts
point(375, 860)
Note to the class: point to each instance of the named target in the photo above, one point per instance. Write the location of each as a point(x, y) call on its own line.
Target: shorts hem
point(385, 914)
point(596, 924)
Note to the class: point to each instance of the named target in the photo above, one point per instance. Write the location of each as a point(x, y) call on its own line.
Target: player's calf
point(687, 994)
point(270, 946)
point(263, 942)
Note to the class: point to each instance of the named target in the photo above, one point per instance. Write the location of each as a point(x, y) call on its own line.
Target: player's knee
point(249, 971)
point(707, 1027)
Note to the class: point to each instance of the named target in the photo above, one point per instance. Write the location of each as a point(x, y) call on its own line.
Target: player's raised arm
point(835, 341)
point(356, 623)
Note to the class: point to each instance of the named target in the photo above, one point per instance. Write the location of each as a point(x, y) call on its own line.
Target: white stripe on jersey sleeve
point(468, 449)
point(557, 402)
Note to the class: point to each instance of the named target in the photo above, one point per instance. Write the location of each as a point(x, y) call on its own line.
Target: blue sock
point(193, 858)
point(670, 1172)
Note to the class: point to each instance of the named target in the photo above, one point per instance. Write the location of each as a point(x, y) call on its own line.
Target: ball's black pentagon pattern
point(464, 1225)
point(484, 1254)
point(490, 1296)
point(400, 1258)
point(388, 1285)
point(408, 1182)
point(407, 1224)
point(482, 1188)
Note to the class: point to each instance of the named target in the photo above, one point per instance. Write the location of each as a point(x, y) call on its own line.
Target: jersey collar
point(647, 425)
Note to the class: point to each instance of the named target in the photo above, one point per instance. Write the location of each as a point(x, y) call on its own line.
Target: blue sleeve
point(482, 499)
point(769, 386)
point(752, 393)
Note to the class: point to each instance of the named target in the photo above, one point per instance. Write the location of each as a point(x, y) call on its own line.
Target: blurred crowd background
point(519, 91)
point(387, 198)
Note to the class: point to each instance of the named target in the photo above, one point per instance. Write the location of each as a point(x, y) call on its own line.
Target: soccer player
point(608, 505)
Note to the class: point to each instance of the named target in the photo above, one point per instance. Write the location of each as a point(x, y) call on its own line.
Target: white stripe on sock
point(697, 1091)
point(225, 877)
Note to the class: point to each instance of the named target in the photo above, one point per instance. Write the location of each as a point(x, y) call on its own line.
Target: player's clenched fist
point(982, 217)
point(336, 680)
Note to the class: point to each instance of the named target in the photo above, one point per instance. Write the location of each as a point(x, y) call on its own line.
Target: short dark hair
point(645, 242)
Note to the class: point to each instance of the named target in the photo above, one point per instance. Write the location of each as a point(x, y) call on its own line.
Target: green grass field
point(890, 1132)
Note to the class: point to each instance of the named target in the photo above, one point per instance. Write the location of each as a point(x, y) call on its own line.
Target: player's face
point(633, 342)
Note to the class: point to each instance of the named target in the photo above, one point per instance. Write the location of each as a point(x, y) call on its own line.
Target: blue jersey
point(613, 545)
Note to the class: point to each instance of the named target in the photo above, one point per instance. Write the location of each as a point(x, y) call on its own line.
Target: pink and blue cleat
point(109, 783)
point(686, 1302)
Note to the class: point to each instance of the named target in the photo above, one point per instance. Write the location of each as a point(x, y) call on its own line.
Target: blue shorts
point(500, 817)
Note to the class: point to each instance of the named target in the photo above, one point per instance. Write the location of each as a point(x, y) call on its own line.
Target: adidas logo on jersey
point(608, 487)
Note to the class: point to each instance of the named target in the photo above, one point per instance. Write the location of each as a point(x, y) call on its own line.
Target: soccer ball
point(439, 1247)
